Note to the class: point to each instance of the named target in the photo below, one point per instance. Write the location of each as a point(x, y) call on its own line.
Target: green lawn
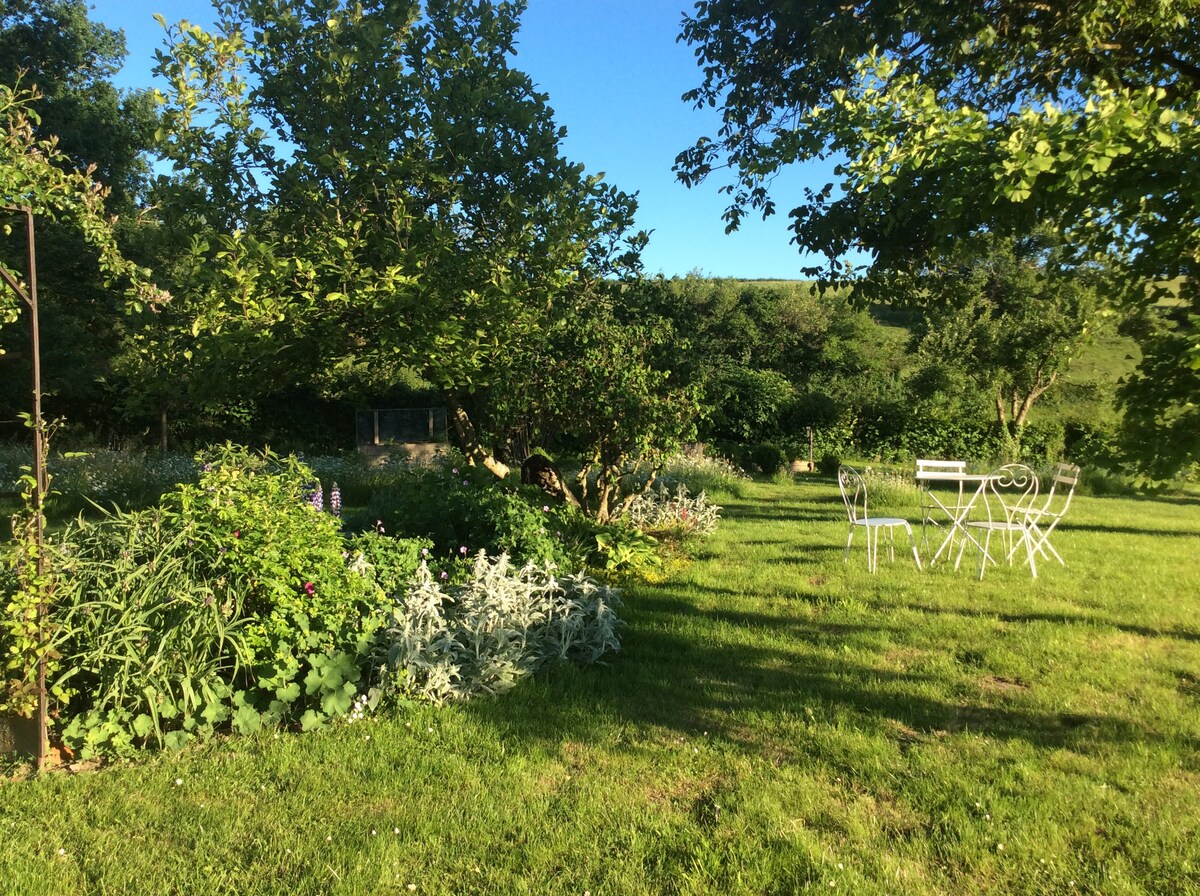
point(778, 722)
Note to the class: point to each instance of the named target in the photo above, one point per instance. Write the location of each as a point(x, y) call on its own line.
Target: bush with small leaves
point(459, 505)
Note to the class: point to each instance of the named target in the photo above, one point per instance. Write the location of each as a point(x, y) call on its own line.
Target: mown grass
point(779, 721)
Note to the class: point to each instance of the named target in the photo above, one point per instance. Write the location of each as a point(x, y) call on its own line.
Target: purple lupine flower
point(317, 498)
point(335, 500)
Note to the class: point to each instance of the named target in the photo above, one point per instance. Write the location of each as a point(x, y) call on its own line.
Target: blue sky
point(614, 73)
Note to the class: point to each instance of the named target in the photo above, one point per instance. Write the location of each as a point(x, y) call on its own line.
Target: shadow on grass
point(1105, 529)
point(672, 675)
point(1061, 619)
point(771, 674)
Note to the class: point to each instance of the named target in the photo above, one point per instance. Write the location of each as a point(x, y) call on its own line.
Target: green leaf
point(143, 725)
point(247, 720)
point(311, 720)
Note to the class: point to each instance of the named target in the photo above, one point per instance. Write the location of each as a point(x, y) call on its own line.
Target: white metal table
point(969, 487)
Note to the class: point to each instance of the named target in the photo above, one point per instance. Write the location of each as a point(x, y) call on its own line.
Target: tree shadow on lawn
point(1106, 529)
point(690, 683)
point(1089, 619)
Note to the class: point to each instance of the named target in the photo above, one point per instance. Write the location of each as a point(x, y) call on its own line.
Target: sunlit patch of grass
point(778, 721)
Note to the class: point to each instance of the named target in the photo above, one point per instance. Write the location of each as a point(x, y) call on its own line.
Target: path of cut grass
point(778, 722)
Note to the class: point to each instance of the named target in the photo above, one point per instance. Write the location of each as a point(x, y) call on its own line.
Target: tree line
point(326, 206)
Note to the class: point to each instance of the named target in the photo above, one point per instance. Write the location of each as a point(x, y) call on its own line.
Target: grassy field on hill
point(779, 721)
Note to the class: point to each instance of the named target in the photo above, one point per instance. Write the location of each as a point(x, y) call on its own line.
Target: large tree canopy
point(59, 63)
point(52, 46)
point(366, 186)
point(947, 119)
point(36, 175)
point(1002, 312)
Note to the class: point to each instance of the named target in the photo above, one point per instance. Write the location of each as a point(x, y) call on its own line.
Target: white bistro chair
point(1007, 499)
point(1042, 519)
point(854, 494)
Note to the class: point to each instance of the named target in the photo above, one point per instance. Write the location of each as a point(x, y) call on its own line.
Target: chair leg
point(985, 554)
point(1029, 552)
point(1042, 543)
point(849, 539)
point(913, 542)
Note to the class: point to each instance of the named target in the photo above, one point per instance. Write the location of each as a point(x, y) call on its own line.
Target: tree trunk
point(1032, 396)
point(469, 442)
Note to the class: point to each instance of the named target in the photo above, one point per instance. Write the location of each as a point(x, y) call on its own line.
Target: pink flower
point(309, 588)
point(463, 550)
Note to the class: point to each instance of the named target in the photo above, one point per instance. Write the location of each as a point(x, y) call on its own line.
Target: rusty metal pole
point(39, 489)
point(29, 297)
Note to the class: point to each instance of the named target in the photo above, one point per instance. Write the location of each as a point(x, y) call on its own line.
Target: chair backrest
point(1011, 491)
point(854, 492)
point(931, 469)
point(1066, 477)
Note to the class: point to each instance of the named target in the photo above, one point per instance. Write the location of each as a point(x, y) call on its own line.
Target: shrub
point(661, 512)
point(1092, 444)
point(454, 642)
point(1042, 442)
point(769, 458)
point(457, 507)
point(828, 464)
point(232, 601)
point(391, 562)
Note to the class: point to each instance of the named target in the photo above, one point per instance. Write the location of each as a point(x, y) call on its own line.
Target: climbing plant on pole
point(36, 180)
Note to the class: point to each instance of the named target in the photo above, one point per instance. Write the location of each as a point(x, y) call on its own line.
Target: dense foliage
point(960, 118)
point(235, 603)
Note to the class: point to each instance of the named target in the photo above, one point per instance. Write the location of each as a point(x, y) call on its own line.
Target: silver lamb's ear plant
point(485, 635)
point(660, 511)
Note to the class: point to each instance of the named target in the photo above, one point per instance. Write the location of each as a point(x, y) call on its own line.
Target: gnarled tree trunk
point(468, 440)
